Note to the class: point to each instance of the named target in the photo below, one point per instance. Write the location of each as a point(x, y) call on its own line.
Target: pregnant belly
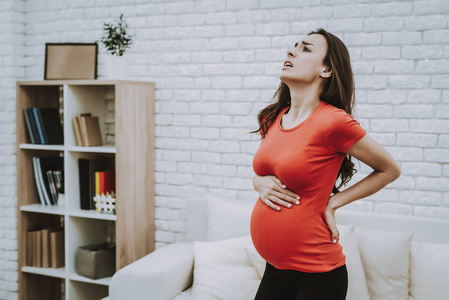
point(290, 236)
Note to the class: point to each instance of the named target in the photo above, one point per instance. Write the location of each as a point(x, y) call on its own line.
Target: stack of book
point(96, 177)
point(45, 248)
point(49, 178)
point(43, 125)
point(87, 130)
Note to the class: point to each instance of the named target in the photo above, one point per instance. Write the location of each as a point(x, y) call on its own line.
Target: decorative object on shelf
point(105, 203)
point(116, 40)
point(95, 261)
point(70, 61)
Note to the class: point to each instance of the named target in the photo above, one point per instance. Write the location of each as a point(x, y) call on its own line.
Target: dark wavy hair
point(338, 90)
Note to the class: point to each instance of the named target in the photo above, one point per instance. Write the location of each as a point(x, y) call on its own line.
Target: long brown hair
point(338, 90)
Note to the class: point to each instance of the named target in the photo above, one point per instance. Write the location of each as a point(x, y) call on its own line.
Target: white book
point(36, 177)
point(42, 183)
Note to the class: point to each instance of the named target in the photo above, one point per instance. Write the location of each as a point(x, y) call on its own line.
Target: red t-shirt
point(307, 159)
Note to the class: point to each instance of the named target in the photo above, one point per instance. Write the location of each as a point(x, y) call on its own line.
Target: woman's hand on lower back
point(331, 222)
point(273, 191)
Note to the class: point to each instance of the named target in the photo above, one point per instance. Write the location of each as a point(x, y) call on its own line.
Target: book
point(76, 120)
point(50, 125)
point(40, 134)
point(107, 182)
point(57, 248)
point(30, 127)
point(37, 251)
point(38, 181)
point(45, 247)
point(29, 248)
point(90, 131)
point(52, 184)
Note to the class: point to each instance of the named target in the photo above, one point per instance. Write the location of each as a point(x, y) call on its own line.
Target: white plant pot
point(117, 67)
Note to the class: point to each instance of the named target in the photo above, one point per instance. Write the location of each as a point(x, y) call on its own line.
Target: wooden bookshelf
point(132, 151)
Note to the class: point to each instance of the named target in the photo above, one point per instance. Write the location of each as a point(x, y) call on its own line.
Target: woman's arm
point(386, 170)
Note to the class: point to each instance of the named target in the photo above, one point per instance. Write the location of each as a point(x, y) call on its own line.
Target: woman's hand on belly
point(272, 190)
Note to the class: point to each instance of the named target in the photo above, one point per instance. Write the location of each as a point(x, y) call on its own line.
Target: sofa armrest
point(160, 275)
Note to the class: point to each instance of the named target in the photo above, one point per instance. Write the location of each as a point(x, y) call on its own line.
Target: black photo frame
point(68, 61)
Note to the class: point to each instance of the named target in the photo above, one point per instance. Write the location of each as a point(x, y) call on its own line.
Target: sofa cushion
point(357, 287)
point(184, 295)
point(429, 271)
point(385, 257)
point(256, 260)
point(227, 218)
point(223, 271)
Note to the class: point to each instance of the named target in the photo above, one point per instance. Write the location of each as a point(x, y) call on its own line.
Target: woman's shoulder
point(333, 109)
point(335, 114)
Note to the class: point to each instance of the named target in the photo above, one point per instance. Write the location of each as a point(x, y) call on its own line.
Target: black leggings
point(296, 285)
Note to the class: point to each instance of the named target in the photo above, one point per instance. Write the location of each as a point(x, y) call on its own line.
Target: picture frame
point(70, 61)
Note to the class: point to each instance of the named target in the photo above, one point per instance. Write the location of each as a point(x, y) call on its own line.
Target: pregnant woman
point(308, 139)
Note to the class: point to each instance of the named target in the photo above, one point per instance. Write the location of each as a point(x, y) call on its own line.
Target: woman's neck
point(303, 102)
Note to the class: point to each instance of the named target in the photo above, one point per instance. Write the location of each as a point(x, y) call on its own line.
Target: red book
point(107, 182)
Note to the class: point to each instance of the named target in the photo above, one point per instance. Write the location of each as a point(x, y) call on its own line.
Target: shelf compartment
point(26, 183)
point(42, 287)
point(34, 96)
point(84, 99)
point(72, 188)
point(45, 209)
point(87, 291)
point(59, 272)
point(86, 231)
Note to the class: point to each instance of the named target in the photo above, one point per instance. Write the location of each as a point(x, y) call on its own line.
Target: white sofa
point(402, 257)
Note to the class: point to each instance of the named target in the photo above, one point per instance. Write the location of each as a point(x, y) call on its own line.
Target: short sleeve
point(343, 132)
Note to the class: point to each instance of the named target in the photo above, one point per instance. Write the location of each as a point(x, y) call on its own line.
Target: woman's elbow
point(395, 172)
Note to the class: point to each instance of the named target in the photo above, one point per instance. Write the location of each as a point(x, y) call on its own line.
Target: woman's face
point(304, 63)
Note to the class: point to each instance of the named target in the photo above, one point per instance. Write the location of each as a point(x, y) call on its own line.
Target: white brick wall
point(12, 64)
point(216, 64)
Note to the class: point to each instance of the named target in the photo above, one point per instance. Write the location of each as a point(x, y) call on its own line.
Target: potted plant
point(116, 40)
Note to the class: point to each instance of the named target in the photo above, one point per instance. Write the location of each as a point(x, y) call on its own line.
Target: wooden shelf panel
point(101, 281)
point(91, 214)
point(59, 272)
point(45, 209)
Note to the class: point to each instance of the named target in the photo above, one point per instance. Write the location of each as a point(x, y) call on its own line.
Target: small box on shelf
point(95, 261)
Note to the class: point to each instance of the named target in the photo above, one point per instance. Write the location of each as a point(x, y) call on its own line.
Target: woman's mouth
point(287, 64)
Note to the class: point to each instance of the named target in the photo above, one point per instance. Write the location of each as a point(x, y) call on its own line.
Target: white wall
point(11, 69)
point(216, 64)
